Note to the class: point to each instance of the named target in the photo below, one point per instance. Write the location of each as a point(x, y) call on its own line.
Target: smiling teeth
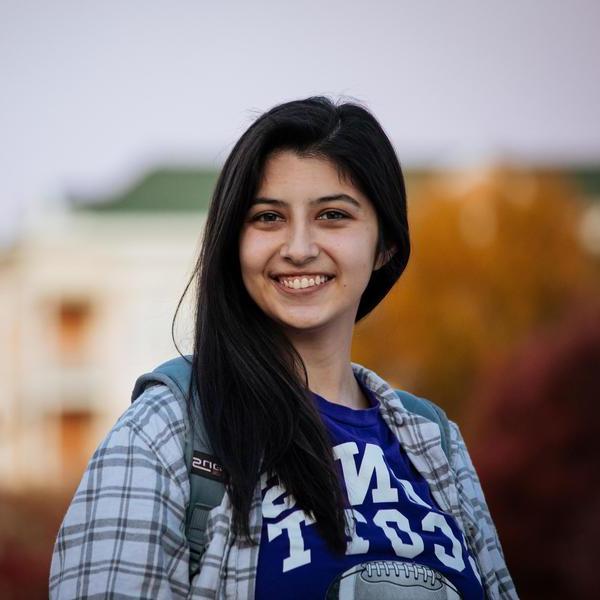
point(303, 282)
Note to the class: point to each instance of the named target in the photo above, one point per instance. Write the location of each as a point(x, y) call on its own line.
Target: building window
point(75, 433)
point(74, 326)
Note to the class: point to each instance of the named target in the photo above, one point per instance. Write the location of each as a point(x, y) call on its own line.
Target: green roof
point(190, 190)
point(588, 180)
point(162, 190)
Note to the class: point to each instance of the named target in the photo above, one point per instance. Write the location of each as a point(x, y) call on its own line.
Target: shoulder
point(127, 513)
point(460, 459)
point(143, 451)
point(158, 421)
point(467, 480)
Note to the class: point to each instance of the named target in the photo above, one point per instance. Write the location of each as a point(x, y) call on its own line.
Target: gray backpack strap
point(206, 475)
point(429, 410)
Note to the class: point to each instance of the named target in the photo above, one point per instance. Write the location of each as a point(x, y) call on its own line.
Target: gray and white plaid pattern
point(123, 534)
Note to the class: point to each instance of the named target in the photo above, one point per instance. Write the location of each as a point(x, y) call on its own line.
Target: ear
point(384, 257)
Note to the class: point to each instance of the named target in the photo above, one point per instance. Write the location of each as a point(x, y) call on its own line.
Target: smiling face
point(308, 244)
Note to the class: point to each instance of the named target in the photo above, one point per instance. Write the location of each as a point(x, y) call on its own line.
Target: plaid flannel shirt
point(123, 535)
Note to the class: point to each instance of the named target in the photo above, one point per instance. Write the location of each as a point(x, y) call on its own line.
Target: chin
point(302, 324)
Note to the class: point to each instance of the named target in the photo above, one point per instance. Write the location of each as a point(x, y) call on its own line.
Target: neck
point(328, 365)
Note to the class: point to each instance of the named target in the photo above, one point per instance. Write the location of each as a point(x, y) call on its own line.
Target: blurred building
point(88, 296)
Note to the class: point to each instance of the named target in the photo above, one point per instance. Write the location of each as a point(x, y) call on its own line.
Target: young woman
point(334, 488)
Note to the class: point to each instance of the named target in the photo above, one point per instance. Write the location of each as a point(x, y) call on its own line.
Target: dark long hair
point(251, 383)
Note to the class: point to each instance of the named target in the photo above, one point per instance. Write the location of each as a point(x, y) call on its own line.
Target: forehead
point(287, 173)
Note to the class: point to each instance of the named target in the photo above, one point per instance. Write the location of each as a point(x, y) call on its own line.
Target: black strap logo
point(206, 466)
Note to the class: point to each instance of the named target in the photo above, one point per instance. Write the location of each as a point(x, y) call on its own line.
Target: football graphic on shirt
point(391, 580)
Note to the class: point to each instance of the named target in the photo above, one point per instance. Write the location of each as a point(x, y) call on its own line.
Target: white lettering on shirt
point(432, 521)
point(357, 544)
point(272, 509)
point(406, 550)
point(357, 481)
point(298, 554)
point(396, 527)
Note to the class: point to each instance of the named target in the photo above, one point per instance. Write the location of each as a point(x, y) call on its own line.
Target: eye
point(337, 215)
point(269, 217)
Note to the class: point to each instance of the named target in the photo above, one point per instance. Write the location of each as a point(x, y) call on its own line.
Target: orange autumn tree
point(495, 255)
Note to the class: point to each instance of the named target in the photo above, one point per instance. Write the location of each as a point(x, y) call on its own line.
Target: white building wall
point(131, 270)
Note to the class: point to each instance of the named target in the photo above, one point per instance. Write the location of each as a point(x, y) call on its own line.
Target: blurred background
point(115, 119)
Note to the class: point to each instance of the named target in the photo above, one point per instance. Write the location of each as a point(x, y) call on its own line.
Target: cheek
point(358, 253)
point(254, 256)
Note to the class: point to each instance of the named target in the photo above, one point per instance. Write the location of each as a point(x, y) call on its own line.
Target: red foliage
point(537, 451)
point(28, 527)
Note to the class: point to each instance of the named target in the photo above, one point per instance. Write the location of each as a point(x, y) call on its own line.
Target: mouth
point(306, 284)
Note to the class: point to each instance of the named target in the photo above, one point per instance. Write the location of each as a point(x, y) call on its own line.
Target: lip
point(302, 291)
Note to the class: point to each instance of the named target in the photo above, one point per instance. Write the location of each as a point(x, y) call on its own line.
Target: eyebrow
point(321, 200)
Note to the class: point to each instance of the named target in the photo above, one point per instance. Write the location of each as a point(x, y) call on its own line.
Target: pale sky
point(94, 93)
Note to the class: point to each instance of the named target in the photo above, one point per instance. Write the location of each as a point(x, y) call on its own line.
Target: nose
point(299, 247)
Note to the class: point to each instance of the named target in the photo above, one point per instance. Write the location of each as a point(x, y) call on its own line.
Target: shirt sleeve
point(494, 572)
point(123, 533)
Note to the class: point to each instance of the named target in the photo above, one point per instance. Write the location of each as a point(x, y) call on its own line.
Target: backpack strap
point(206, 487)
point(432, 412)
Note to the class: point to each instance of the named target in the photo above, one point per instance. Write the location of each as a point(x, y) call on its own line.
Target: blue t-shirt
point(403, 545)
